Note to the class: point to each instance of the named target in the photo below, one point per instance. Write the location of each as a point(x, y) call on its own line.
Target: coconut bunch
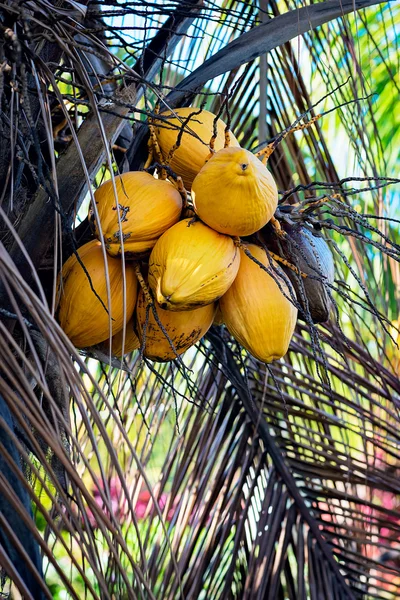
point(192, 271)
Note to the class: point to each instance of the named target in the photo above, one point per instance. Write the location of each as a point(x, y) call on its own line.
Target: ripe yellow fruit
point(255, 310)
point(194, 149)
point(192, 265)
point(147, 207)
point(83, 313)
point(218, 320)
point(131, 340)
point(234, 193)
point(183, 328)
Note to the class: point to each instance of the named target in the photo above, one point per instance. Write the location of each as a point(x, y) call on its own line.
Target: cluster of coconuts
point(192, 266)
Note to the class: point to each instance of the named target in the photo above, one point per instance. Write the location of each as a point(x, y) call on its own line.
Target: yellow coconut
point(234, 193)
point(83, 309)
point(147, 207)
point(131, 340)
point(194, 149)
point(192, 265)
point(256, 311)
point(218, 320)
point(183, 328)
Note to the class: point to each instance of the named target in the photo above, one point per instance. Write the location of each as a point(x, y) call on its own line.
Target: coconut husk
point(308, 251)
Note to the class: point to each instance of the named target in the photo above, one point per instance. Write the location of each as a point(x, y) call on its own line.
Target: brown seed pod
point(310, 253)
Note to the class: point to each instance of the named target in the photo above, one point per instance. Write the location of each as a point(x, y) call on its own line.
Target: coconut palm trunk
point(19, 547)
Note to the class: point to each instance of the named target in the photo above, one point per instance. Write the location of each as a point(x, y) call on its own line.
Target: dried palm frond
point(215, 477)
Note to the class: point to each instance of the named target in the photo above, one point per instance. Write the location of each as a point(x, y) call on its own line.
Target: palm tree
point(215, 476)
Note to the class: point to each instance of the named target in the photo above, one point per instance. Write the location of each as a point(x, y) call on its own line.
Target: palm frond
point(219, 476)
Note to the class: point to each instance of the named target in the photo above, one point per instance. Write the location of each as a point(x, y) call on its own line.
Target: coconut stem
point(266, 152)
point(182, 190)
point(150, 154)
point(287, 264)
point(212, 151)
point(238, 242)
point(155, 148)
point(277, 227)
point(142, 283)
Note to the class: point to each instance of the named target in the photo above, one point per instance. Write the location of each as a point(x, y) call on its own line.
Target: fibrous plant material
point(147, 207)
point(192, 265)
point(234, 193)
point(194, 149)
point(257, 308)
point(83, 310)
point(183, 328)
